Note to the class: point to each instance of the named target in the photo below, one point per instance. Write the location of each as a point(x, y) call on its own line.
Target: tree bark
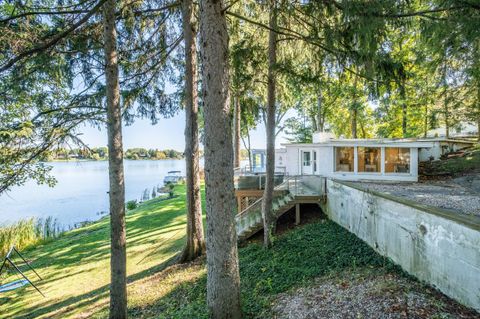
point(236, 126)
point(320, 126)
point(249, 148)
point(118, 260)
point(223, 278)
point(353, 115)
point(268, 217)
point(446, 113)
point(425, 121)
point(478, 113)
point(195, 245)
point(404, 108)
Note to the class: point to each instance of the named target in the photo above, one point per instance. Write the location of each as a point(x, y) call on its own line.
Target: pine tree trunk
point(248, 146)
point(118, 260)
point(478, 113)
point(446, 115)
point(236, 126)
point(354, 122)
point(404, 109)
point(267, 203)
point(320, 127)
point(223, 278)
point(425, 121)
point(195, 245)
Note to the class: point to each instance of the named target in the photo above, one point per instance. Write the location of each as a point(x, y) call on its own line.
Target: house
point(363, 159)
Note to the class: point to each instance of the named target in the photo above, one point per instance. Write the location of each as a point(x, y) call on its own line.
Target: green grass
point(76, 268)
point(318, 249)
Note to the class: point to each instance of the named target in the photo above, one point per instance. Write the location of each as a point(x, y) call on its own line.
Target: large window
point(344, 159)
point(369, 159)
point(397, 160)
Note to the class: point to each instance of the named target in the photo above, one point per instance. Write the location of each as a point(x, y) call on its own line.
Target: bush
point(131, 204)
point(171, 191)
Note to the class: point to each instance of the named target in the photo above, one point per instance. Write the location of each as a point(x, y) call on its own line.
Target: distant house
point(363, 159)
point(462, 130)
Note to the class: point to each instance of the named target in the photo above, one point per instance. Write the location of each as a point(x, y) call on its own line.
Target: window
point(314, 161)
point(369, 159)
point(397, 160)
point(344, 159)
point(306, 158)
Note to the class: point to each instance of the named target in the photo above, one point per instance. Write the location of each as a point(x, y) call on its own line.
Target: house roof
point(404, 142)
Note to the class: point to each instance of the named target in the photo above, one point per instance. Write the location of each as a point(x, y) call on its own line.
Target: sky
point(166, 134)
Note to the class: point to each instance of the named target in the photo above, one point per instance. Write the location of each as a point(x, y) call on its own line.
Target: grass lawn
point(76, 268)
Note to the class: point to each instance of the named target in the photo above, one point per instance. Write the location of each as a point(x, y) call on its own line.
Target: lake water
point(81, 190)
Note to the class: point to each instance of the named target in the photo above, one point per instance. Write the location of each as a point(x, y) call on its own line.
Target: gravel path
point(461, 195)
point(366, 294)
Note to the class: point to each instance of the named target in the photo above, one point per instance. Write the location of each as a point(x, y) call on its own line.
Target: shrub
point(131, 204)
point(171, 190)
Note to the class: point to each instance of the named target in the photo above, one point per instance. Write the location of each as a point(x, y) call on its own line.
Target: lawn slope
point(76, 267)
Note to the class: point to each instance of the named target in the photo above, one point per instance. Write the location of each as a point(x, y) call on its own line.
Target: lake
point(81, 190)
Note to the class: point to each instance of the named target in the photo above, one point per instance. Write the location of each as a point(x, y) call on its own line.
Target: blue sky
point(167, 133)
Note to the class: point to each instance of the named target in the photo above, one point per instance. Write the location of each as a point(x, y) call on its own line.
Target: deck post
point(297, 214)
point(239, 204)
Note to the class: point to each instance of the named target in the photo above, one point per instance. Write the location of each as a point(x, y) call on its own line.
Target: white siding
point(326, 164)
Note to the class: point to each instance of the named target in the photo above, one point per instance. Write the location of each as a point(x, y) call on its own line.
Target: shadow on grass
point(310, 251)
point(87, 250)
point(61, 308)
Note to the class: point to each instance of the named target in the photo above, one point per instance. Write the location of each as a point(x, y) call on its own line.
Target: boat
point(173, 177)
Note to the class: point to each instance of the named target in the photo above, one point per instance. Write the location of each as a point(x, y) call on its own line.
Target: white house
point(362, 159)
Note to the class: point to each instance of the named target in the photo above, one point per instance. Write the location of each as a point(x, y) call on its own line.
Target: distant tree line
point(101, 153)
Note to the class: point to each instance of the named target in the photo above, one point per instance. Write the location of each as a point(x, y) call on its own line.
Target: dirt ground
point(367, 294)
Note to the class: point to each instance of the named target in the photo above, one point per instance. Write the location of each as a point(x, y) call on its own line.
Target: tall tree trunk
point(446, 113)
point(236, 126)
point(195, 245)
point(223, 278)
point(478, 113)
point(404, 108)
point(248, 146)
point(353, 119)
point(268, 217)
point(313, 118)
point(425, 121)
point(118, 260)
point(362, 128)
point(320, 127)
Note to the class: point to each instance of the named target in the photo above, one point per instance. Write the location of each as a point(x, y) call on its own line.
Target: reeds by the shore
point(25, 233)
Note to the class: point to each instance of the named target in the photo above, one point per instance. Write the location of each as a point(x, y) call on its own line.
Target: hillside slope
point(281, 282)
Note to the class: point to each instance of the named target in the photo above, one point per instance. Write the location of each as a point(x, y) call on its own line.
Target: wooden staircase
point(250, 220)
point(291, 192)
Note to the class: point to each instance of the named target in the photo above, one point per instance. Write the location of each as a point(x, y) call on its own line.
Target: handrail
point(249, 207)
point(260, 199)
point(286, 182)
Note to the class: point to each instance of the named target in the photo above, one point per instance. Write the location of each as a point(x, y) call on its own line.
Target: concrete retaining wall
point(438, 247)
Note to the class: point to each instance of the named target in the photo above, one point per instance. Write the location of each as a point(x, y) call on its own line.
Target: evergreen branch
point(38, 13)
point(80, 11)
point(52, 42)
